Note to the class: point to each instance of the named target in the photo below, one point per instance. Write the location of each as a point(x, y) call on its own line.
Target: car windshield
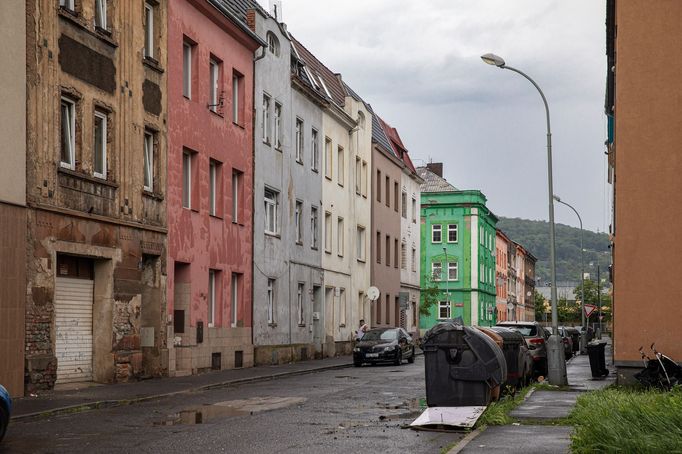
point(381, 334)
point(526, 330)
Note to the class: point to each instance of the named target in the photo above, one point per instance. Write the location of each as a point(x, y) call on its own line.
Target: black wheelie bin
point(519, 364)
point(462, 366)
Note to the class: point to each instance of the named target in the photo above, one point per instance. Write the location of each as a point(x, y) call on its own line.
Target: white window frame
point(299, 140)
point(341, 165)
point(148, 161)
point(414, 210)
point(364, 179)
point(340, 236)
point(101, 14)
point(358, 175)
point(235, 98)
point(67, 4)
point(447, 306)
point(453, 266)
point(271, 301)
point(71, 124)
point(214, 80)
point(103, 117)
point(436, 228)
point(300, 295)
point(187, 69)
point(211, 298)
point(453, 228)
point(148, 30)
point(278, 125)
point(328, 157)
point(436, 266)
point(235, 196)
point(212, 187)
point(314, 221)
point(266, 118)
point(298, 222)
point(315, 151)
point(234, 309)
point(361, 243)
point(328, 232)
point(271, 199)
point(187, 180)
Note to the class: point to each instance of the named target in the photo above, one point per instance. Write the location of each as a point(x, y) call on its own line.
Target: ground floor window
point(443, 309)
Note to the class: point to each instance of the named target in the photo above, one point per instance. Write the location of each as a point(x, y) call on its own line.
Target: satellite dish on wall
point(373, 293)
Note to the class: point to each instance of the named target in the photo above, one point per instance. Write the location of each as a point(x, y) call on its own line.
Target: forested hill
point(534, 236)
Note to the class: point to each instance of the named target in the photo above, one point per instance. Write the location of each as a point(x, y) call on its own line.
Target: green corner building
point(457, 252)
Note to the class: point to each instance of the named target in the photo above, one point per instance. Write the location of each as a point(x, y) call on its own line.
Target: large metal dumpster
point(462, 366)
point(519, 362)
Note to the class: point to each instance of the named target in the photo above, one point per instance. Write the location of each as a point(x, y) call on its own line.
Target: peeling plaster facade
point(207, 240)
point(109, 222)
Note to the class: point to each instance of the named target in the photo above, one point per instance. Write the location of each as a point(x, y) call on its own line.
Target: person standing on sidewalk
point(361, 331)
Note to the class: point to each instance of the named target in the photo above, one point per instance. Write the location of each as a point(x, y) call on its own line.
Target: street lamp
point(555, 352)
point(582, 277)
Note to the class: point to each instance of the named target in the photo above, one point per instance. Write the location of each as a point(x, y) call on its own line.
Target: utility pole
point(599, 299)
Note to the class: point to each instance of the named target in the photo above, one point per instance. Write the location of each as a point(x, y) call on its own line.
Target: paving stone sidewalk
point(542, 405)
point(91, 396)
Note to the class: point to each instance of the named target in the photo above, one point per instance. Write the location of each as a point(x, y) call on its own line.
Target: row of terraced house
point(186, 187)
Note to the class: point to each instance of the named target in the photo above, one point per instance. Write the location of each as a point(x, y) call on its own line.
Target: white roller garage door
point(73, 321)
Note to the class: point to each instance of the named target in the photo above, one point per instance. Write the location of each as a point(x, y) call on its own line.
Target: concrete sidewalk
point(88, 396)
point(542, 405)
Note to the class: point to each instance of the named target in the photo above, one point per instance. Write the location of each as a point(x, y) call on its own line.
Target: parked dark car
point(575, 336)
point(536, 337)
point(5, 411)
point(519, 359)
point(384, 345)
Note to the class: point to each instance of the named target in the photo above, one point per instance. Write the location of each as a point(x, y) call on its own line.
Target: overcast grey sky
point(417, 62)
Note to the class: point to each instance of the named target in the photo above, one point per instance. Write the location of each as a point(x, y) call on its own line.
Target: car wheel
point(4, 421)
point(411, 358)
point(399, 359)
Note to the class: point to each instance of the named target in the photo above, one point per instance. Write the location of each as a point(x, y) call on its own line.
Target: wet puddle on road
point(206, 413)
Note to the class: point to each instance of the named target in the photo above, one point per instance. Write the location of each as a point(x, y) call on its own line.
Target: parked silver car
point(536, 337)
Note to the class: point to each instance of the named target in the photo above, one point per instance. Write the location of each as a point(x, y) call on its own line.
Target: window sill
point(272, 324)
point(239, 125)
point(361, 260)
point(215, 216)
point(298, 161)
point(273, 235)
point(328, 178)
point(279, 148)
point(152, 195)
point(328, 252)
point(299, 243)
point(151, 63)
point(86, 177)
point(215, 112)
point(313, 248)
point(342, 325)
point(314, 170)
point(77, 20)
point(301, 325)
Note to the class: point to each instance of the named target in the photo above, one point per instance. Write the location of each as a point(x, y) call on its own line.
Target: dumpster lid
point(509, 335)
point(435, 418)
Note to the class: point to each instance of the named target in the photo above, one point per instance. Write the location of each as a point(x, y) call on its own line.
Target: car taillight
point(536, 341)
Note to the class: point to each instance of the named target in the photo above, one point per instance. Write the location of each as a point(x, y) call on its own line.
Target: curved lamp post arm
point(544, 100)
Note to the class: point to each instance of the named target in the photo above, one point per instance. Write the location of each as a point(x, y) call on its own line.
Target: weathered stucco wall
point(199, 242)
point(111, 220)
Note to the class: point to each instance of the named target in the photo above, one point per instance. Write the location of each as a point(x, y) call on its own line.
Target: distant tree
point(539, 302)
point(430, 295)
point(591, 298)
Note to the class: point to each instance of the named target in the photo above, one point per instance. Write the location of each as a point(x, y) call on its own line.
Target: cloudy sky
point(417, 63)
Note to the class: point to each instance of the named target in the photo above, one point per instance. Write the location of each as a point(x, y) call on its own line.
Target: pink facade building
point(501, 278)
point(210, 200)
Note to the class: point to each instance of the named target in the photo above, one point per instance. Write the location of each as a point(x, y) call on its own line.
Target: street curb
point(466, 440)
point(111, 403)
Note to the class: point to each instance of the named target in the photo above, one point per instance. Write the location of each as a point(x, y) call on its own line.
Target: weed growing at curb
point(497, 413)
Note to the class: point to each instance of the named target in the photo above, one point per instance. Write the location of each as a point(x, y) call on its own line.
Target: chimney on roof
point(436, 167)
point(276, 10)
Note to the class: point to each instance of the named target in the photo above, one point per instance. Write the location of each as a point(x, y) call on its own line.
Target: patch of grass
point(627, 420)
point(497, 413)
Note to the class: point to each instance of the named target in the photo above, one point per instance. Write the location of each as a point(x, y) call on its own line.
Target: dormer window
point(273, 44)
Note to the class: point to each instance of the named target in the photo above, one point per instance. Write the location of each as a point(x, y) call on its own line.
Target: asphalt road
point(353, 410)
